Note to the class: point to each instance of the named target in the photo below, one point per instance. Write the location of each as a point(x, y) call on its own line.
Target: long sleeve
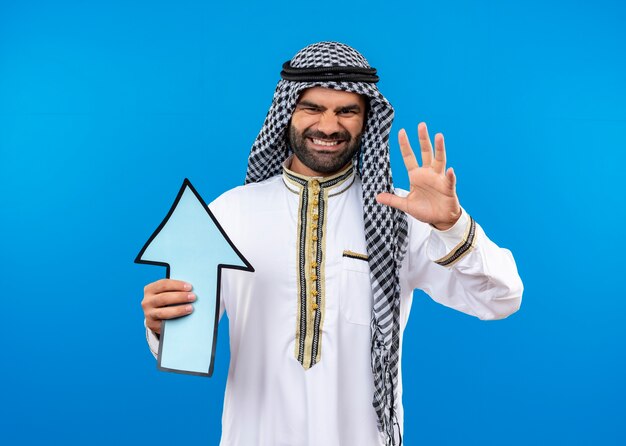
point(153, 341)
point(462, 269)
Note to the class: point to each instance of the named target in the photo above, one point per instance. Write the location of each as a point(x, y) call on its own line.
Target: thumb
point(392, 200)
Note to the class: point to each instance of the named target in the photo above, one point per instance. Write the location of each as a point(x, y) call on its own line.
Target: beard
point(324, 161)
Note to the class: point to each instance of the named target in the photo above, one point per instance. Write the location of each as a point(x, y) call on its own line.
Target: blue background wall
point(106, 106)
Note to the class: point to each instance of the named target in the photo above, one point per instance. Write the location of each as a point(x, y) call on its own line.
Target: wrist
point(445, 225)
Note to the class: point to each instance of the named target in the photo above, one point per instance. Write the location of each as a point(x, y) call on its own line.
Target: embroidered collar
point(335, 184)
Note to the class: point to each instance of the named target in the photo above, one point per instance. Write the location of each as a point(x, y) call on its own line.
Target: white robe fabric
point(270, 399)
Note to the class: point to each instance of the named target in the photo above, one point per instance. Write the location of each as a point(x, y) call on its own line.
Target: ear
point(286, 135)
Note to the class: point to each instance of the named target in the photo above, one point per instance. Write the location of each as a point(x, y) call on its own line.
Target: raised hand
point(432, 198)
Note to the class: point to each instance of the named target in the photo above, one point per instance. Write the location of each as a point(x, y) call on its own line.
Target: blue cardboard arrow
point(194, 247)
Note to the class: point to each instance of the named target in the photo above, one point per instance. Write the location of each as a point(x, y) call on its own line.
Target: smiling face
point(325, 130)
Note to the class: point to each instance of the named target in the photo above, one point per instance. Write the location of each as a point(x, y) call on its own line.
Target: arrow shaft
point(188, 342)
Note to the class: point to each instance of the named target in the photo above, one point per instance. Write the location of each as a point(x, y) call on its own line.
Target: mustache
point(337, 136)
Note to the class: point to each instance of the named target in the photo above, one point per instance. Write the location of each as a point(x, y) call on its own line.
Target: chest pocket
point(355, 292)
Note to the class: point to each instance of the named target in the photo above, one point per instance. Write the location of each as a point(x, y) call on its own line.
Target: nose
point(328, 123)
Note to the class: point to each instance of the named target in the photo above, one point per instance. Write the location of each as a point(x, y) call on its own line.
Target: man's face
point(325, 130)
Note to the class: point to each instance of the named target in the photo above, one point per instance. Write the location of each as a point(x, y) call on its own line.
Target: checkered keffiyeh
point(385, 227)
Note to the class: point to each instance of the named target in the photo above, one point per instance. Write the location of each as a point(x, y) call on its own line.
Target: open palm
point(432, 197)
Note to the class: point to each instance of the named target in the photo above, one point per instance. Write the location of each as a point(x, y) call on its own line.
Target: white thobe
point(271, 399)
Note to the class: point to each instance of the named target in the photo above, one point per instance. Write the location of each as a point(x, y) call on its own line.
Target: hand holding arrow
point(194, 248)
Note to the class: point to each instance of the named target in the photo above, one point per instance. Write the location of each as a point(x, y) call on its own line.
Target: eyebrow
point(349, 108)
point(346, 108)
point(305, 103)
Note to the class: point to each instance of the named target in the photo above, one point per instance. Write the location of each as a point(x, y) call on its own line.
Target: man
point(316, 330)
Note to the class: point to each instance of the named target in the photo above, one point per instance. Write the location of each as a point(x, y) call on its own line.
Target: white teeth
point(321, 142)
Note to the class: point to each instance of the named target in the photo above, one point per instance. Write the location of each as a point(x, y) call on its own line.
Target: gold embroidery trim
point(322, 281)
point(463, 248)
point(310, 255)
point(299, 322)
point(355, 255)
point(312, 218)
